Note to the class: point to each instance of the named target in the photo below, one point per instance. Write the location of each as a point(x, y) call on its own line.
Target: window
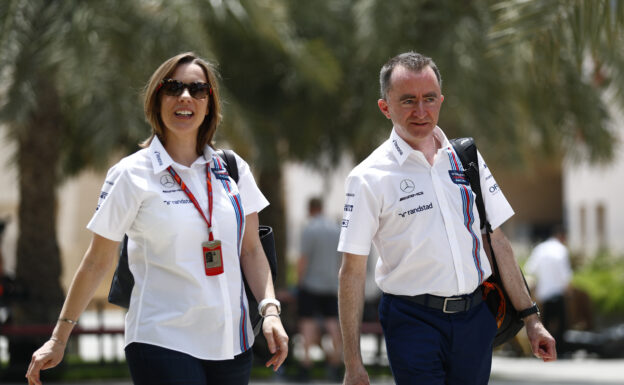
point(601, 226)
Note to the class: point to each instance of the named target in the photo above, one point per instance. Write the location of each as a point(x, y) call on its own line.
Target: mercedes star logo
point(407, 186)
point(167, 181)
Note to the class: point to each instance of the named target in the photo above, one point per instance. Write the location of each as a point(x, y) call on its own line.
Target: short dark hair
point(315, 204)
point(412, 61)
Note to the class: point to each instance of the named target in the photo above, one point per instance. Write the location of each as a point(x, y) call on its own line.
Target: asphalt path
point(505, 371)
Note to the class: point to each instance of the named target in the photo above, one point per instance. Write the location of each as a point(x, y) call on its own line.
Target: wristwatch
point(269, 301)
point(530, 310)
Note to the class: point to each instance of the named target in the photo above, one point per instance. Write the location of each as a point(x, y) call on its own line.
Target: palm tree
point(274, 80)
point(515, 72)
point(572, 50)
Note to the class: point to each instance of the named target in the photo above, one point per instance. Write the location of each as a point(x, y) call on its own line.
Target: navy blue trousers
point(155, 365)
point(427, 346)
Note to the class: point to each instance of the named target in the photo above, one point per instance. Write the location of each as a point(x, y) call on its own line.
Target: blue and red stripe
point(469, 218)
point(240, 225)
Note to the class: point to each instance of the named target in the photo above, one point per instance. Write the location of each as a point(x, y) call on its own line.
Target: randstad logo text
point(417, 210)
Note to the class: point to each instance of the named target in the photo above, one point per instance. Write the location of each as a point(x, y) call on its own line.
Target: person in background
point(191, 231)
point(317, 302)
point(411, 199)
point(549, 263)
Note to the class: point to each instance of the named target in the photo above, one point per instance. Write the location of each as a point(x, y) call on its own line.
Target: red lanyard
point(190, 195)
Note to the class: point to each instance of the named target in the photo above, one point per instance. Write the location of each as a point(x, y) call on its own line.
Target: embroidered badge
point(407, 186)
point(458, 177)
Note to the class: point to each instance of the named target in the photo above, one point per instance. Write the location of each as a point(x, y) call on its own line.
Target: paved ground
point(508, 371)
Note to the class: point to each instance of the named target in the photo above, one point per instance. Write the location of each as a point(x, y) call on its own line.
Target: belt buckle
point(451, 299)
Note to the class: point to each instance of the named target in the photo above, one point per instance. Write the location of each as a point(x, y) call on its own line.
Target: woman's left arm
point(258, 274)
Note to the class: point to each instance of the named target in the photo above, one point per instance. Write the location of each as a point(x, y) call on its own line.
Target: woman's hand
point(277, 340)
point(47, 356)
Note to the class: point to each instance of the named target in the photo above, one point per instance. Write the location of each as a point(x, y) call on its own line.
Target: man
point(411, 200)
point(550, 265)
point(317, 305)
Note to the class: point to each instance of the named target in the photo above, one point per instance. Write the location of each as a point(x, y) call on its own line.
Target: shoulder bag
point(507, 317)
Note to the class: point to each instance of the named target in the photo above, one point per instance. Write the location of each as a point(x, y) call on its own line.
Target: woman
point(191, 229)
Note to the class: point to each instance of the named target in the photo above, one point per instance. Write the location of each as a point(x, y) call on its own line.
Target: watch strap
point(528, 311)
point(269, 301)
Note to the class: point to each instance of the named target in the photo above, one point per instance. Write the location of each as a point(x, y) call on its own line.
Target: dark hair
point(151, 104)
point(410, 60)
point(315, 204)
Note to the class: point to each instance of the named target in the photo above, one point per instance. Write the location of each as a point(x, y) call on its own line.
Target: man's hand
point(542, 343)
point(352, 277)
point(356, 376)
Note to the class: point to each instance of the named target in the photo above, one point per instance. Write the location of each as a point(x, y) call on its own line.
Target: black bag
point(507, 318)
point(123, 281)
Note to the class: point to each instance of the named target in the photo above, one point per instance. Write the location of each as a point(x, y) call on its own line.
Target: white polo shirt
point(173, 303)
point(422, 219)
point(550, 264)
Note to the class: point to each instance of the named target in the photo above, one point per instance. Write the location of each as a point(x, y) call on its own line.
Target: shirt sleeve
point(497, 208)
point(531, 264)
point(251, 196)
point(118, 204)
point(360, 216)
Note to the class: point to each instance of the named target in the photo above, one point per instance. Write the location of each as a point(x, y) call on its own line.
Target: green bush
point(603, 280)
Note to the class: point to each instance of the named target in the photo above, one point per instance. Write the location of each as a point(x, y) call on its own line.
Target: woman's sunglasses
point(173, 87)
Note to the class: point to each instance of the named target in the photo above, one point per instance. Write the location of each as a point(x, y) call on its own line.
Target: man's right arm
point(351, 304)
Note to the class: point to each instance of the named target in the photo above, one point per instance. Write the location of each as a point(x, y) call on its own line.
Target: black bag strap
point(230, 163)
point(466, 149)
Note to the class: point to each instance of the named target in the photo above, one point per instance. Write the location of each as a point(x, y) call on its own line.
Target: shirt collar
point(161, 159)
point(402, 150)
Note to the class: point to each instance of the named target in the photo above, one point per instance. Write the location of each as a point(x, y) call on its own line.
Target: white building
point(594, 209)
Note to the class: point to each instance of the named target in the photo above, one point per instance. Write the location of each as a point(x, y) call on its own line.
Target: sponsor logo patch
point(458, 177)
point(396, 146)
point(178, 202)
point(344, 223)
point(158, 159)
point(407, 186)
point(494, 189)
point(167, 181)
point(410, 196)
point(348, 207)
point(416, 210)
point(221, 174)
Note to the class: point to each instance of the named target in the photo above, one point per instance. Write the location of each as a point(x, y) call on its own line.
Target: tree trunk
point(271, 185)
point(38, 258)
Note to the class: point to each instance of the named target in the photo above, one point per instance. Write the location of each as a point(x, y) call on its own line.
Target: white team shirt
point(422, 219)
point(173, 303)
point(550, 263)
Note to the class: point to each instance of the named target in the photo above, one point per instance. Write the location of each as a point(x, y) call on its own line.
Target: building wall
point(9, 199)
point(594, 207)
point(536, 197)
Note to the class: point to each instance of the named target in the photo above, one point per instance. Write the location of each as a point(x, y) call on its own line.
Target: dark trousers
point(427, 346)
point(155, 365)
point(554, 310)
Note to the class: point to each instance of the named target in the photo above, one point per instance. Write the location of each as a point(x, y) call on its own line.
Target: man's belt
point(447, 304)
